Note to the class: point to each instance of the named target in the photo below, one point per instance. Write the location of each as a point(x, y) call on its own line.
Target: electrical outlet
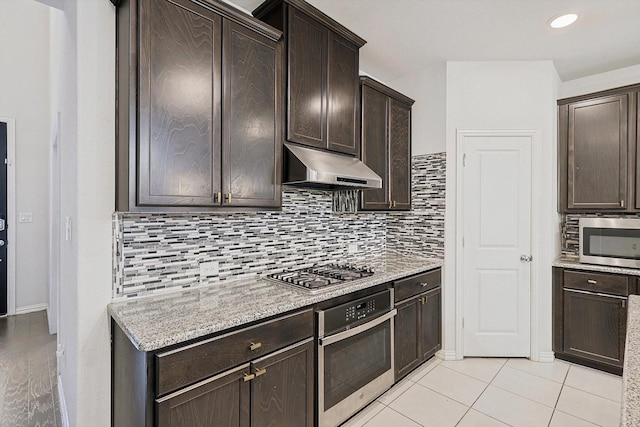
point(352, 248)
point(209, 269)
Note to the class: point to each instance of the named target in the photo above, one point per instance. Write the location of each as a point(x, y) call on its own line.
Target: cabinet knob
point(259, 372)
point(255, 346)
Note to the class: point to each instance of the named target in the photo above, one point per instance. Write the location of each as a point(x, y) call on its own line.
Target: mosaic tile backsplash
point(570, 230)
point(157, 252)
point(422, 229)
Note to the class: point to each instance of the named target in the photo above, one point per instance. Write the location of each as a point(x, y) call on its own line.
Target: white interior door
point(496, 235)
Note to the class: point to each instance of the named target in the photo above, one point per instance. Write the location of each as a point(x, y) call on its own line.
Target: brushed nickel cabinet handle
point(394, 203)
point(624, 304)
point(390, 204)
point(622, 203)
point(248, 377)
point(255, 346)
point(424, 284)
point(259, 372)
point(593, 282)
point(219, 198)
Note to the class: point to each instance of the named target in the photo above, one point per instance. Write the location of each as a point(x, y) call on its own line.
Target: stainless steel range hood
point(307, 167)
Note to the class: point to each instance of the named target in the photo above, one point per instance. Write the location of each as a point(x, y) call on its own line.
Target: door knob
point(526, 258)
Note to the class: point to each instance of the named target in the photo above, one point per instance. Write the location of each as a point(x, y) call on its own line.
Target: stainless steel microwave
point(610, 241)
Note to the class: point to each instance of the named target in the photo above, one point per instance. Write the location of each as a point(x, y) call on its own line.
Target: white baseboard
point(64, 415)
point(31, 308)
point(546, 356)
point(446, 354)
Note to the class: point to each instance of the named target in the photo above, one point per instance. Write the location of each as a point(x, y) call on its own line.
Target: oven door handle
point(358, 329)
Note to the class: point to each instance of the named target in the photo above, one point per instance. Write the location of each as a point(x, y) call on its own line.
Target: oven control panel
point(355, 312)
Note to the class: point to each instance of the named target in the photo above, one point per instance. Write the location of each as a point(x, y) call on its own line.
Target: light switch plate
point(25, 217)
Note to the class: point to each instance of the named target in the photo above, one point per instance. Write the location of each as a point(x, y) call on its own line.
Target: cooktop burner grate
point(319, 276)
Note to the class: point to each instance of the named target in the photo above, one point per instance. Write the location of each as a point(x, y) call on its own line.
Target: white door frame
point(535, 136)
point(11, 214)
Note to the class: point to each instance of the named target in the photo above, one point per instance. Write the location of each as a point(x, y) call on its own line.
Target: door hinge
point(464, 159)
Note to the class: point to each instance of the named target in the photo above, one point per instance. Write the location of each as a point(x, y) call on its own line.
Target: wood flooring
point(28, 378)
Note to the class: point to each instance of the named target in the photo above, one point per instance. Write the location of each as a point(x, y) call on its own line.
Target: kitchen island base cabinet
point(418, 324)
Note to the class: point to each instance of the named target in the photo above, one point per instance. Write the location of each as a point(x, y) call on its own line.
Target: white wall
point(86, 32)
point(597, 82)
point(24, 96)
point(504, 95)
point(428, 114)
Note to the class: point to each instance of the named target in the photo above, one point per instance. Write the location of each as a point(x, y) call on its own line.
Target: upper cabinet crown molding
point(268, 7)
point(233, 14)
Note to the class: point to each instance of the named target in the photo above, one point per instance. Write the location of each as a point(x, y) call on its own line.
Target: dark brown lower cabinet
point(590, 317)
point(282, 391)
point(219, 401)
point(418, 330)
point(595, 326)
point(276, 390)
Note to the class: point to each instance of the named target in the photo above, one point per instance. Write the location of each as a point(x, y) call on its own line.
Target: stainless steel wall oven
point(355, 355)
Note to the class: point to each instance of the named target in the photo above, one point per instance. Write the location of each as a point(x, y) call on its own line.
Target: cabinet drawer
point(596, 282)
point(414, 285)
point(186, 365)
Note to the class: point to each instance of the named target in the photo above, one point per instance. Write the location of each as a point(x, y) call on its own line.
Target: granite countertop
point(631, 372)
point(162, 320)
point(567, 262)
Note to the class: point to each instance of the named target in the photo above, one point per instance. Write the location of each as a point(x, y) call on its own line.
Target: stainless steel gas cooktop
point(318, 277)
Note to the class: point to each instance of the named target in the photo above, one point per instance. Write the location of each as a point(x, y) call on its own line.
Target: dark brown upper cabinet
point(199, 104)
point(597, 142)
point(322, 70)
point(386, 145)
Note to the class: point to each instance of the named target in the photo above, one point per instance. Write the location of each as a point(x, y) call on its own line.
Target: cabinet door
point(375, 153)
point(222, 400)
point(342, 95)
point(407, 337)
point(400, 155)
point(595, 326)
point(252, 140)
point(179, 104)
point(307, 64)
point(597, 153)
point(282, 392)
point(430, 323)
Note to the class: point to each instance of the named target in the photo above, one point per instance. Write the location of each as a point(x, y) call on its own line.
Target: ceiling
point(405, 36)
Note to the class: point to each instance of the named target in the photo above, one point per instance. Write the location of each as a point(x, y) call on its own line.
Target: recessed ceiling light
point(564, 20)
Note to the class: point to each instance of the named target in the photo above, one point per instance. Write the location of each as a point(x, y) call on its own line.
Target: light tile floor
point(479, 392)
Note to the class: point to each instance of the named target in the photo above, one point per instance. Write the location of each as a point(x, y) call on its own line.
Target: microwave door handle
point(358, 329)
